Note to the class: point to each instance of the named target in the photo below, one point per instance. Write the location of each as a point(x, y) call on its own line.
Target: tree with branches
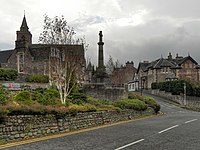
point(110, 65)
point(63, 62)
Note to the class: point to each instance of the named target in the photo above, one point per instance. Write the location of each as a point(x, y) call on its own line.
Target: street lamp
point(141, 86)
point(184, 94)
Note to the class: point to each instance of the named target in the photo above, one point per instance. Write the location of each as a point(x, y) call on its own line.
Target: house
point(124, 74)
point(165, 69)
point(133, 85)
point(28, 58)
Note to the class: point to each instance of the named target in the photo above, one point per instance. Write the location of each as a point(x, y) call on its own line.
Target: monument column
point(100, 58)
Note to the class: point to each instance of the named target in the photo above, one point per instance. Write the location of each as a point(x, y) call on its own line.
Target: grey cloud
point(6, 46)
point(85, 20)
point(169, 26)
point(175, 8)
point(150, 41)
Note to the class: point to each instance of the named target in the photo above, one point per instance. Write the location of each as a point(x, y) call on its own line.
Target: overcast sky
point(134, 30)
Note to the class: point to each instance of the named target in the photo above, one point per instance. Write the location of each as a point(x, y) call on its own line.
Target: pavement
point(176, 129)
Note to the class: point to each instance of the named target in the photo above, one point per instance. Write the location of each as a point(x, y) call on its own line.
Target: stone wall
point(30, 126)
point(101, 91)
point(27, 84)
point(191, 101)
point(36, 85)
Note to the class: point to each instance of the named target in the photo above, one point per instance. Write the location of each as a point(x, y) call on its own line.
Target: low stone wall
point(30, 126)
point(36, 85)
point(175, 98)
point(26, 84)
point(191, 102)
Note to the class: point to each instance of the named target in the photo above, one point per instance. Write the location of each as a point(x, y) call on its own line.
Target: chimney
point(129, 64)
point(178, 57)
point(170, 56)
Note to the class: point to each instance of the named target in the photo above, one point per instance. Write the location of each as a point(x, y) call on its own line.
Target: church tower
point(24, 37)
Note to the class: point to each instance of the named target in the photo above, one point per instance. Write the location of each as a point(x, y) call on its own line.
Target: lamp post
point(141, 86)
point(184, 95)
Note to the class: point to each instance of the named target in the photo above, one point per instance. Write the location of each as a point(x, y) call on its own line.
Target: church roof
point(4, 55)
point(42, 51)
point(24, 26)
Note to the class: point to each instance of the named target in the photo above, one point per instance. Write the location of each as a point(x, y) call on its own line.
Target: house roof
point(162, 62)
point(181, 61)
point(143, 66)
point(4, 55)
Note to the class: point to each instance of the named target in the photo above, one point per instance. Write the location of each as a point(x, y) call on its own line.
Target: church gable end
point(30, 58)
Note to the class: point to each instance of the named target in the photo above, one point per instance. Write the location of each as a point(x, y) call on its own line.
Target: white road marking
point(168, 129)
point(191, 120)
point(158, 132)
point(129, 144)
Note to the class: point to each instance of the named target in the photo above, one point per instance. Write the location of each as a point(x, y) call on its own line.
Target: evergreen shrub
point(37, 78)
point(8, 74)
point(4, 96)
point(131, 104)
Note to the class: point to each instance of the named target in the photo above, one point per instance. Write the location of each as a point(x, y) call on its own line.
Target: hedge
point(135, 104)
point(177, 87)
point(8, 74)
point(37, 78)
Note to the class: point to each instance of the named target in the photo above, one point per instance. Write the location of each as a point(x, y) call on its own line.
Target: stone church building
point(30, 58)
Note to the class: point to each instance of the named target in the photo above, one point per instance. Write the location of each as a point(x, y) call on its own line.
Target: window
point(45, 68)
point(52, 52)
point(133, 86)
point(186, 65)
point(63, 56)
point(129, 87)
point(165, 69)
point(55, 52)
point(20, 62)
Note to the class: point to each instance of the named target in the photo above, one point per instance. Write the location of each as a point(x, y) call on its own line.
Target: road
point(177, 129)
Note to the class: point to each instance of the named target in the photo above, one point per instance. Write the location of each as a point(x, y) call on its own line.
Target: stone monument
point(101, 76)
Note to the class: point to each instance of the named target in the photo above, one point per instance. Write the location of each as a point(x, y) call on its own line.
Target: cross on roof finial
point(24, 12)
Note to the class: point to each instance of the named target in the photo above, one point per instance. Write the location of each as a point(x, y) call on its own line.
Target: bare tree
point(118, 64)
point(63, 63)
point(110, 66)
point(62, 70)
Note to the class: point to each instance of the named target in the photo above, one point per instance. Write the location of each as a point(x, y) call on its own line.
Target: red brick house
point(124, 74)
